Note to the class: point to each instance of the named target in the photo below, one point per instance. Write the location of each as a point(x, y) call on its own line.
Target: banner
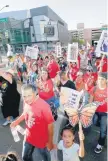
point(58, 50)
point(70, 97)
point(32, 52)
point(72, 52)
point(102, 46)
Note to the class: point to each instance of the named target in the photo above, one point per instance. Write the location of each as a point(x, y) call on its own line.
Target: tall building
point(88, 34)
point(45, 27)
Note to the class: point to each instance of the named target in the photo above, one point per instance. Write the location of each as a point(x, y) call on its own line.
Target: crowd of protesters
point(41, 82)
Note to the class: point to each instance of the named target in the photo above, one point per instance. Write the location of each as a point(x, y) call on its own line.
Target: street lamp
point(4, 7)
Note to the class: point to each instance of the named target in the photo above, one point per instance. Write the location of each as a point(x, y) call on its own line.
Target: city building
point(43, 25)
point(87, 34)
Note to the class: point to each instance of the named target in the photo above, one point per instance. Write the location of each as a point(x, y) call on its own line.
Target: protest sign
point(83, 115)
point(102, 46)
point(88, 45)
point(32, 52)
point(70, 97)
point(72, 52)
point(58, 50)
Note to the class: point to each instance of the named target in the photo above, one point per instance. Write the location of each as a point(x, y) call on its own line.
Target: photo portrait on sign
point(72, 52)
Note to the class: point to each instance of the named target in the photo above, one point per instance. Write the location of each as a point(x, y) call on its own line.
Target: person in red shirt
point(79, 61)
point(53, 67)
point(39, 126)
point(73, 71)
point(101, 64)
point(99, 94)
point(46, 89)
point(89, 78)
point(79, 83)
point(45, 86)
point(89, 81)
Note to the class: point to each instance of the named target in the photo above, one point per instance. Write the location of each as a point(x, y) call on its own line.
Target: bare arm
point(50, 136)
point(18, 121)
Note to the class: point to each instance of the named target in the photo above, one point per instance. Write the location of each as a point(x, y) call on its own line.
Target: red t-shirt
point(47, 95)
point(73, 72)
point(37, 132)
point(105, 67)
point(90, 80)
point(79, 83)
point(79, 60)
point(53, 68)
point(100, 96)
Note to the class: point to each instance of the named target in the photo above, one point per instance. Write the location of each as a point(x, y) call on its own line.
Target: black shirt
point(68, 84)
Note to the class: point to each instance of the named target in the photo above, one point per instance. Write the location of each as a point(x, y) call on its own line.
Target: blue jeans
point(101, 118)
point(31, 153)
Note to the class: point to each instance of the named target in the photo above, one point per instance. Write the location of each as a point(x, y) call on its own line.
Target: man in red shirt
point(99, 94)
point(39, 126)
point(53, 67)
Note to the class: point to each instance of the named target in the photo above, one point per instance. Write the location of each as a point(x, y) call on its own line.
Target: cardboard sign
point(70, 97)
point(32, 52)
point(102, 46)
point(72, 52)
point(58, 50)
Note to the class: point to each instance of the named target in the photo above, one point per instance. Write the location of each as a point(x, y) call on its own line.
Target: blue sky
point(91, 12)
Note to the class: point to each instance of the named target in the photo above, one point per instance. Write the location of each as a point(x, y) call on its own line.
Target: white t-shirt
point(69, 154)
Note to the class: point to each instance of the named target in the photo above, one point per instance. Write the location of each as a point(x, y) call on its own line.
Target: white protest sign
point(88, 45)
point(72, 52)
point(102, 46)
point(32, 52)
point(58, 50)
point(70, 97)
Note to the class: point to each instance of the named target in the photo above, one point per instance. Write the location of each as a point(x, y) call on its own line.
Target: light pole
point(4, 7)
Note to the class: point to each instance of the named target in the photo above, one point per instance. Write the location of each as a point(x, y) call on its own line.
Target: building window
point(61, 23)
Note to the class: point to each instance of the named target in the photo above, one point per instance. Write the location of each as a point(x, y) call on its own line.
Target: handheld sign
point(102, 46)
point(32, 52)
point(58, 50)
point(70, 97)
point(72, 52)
point(83, 115)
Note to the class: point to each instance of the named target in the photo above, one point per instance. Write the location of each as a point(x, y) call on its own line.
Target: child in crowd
point(71, 150)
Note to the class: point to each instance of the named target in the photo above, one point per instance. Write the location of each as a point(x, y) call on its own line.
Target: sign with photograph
point(32, 52)
point(58, 50)
point(70, 97)
point(102, 46)
point(72, 52)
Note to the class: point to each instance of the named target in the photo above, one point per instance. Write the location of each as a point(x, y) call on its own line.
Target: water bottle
point(20, 129)
point(15, 134)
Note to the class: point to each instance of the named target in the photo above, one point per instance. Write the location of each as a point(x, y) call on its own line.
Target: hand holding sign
point(81, 134)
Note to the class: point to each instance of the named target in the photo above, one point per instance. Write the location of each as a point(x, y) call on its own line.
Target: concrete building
point(45, 26)
point(88, 34)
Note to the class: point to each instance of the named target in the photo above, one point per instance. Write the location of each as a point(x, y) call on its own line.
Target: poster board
point(32, 52)
point(58, 50)
point(70, 97)
point(72, 52)
point(102, 46)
